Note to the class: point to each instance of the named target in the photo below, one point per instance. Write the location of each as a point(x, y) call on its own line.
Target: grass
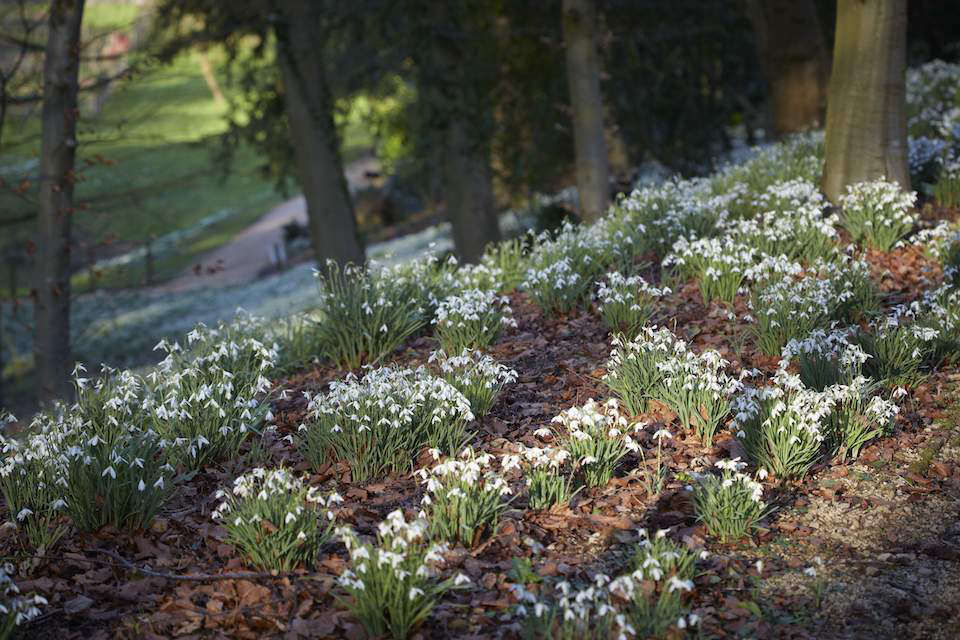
point(146, 167)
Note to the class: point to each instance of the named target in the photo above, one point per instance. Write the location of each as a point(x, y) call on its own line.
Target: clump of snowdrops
point(656, 365)
point(368, 313)
point(719, 265)
point(392, 585)
point(544, 471)
point(729, 505)
point(379, 423)
point(824, 358)
point(878, 213)
point(858, 416)
point(207, 399)
point(786, 307)
point(627, 303)
point(564, 268)
point(96, 460)
point(696, 388)
point(15, 609)
point(476, 375)
point(465, 497)
point(471, 319)
point(790, 222)
point(634, 369)
point(780, 425)
point(274, 519)
point(597, 436)
point(648, 601)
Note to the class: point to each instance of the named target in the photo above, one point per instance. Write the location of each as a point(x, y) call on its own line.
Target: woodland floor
point(886, 528)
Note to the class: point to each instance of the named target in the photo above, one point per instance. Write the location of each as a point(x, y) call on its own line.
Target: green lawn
point(146, 167)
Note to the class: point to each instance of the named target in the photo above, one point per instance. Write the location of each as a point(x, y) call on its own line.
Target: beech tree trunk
point(469, 192)
point(794, 56)
point(51, 335)
point(309, 107)
point(583, 76)
point(866, 134)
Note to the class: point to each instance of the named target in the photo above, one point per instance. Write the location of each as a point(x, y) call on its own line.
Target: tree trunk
point(309, 107)
point(583, 76)
point(866, 134)
point(469, 192)
point(794, 57)
point(206, 68)
point(51, 339)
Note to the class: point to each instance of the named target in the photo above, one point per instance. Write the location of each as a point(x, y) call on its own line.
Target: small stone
point(76, 605)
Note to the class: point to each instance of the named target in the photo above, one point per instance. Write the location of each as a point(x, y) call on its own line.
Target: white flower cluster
point(937, 241)
point(833, 345)
point(559, 277)
point(878, 212)
point(657, 340)
point(597, 436)
point(481, 307)
point(711, 257)
point(588, 425)
point(546, 458)
point(477, 276)
point(417, 281)
point(206, 400)
point(788, 307)
point(697, 388)
point(632, 292)
point(564, 268)
point(876, 410)
point(101, 435)
point(266, 485)
point(790, 221)
point(387, 397)
point(787, 406)
point(701, 372)
point(732, 473)
point(468, 469)
point(611, 607)
point(400, 557)
point(14, 608)
point(799, 157)
point(476, 375)
point(932, 105)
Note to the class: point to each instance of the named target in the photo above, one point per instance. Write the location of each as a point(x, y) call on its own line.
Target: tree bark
point(206, 68)
point(583, 76)
point(866, 134)
point(469, 192)
point(51, 339)
point(794, 56)
point(309, 107)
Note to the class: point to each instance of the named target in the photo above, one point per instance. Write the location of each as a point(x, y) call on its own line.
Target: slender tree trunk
point(794, 56)
point(866, 134)
point(309, 107)
point(206, 68)
point(51, 339)
point(469, 192)
point(583, 76)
